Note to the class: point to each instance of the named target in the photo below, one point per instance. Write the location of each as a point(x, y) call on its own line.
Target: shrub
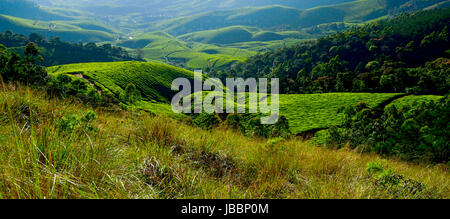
point(205, 120)
point(417, 132)
point(132, 94)
point(388, 183)
point(70, 123)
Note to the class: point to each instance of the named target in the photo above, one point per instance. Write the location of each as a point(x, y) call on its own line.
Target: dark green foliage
point(57, 52)
point(416, 132)
point(205, 120)
point(250, 125)
point(71, 122)
point(64, 86)
point(404, 54)
point(26, 70)
point(132, 94)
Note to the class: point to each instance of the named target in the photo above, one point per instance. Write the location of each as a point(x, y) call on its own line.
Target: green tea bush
point(387, 182)
point(70, 123)
point(250, 125)
point(132, 94)
point(205, 120)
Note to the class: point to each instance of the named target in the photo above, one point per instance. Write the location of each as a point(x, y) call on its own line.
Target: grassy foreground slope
point(153, 80)
point(61, 149)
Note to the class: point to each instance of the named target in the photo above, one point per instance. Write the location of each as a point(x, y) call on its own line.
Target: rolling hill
point(72, 31)
point(130, 155)
point(288, 18)
point(29, 10)
point(240, 34)
point(162, 47)
point(223, 34)
point(176, 7)
point(363, 113)
point(304, 112)
point(153, 80)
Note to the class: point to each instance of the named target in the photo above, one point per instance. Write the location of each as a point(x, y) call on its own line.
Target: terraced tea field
point(307, 112)
point(410, 100)
point(162, 47)
point(154, 80)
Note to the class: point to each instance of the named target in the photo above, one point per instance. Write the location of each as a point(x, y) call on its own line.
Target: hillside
point(175, 7)
point(309, 112)
point(29, 10)
point(73, 31)
point(57, 52)
point(288, 18)
point(132, 155)
point(162, 47)
point(86, 97)
point(240, 34)
point(304, 112)
point(405, 54)
point(128, 153)
point(153, 80)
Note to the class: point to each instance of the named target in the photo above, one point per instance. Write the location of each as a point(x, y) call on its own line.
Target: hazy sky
point(191, 3)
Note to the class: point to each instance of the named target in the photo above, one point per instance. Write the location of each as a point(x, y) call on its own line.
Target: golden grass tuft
point(128, 154)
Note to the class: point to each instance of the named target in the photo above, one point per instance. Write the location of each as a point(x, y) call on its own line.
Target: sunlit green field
point(414, 99)
point(184, 51)
point(152, 79)
point(307, 112)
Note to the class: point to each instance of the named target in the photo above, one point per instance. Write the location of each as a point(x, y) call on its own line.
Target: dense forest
point(57, 52)
point(409, 53)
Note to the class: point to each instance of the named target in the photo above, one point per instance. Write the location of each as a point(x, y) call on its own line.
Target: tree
point(32, 73)
point(32, 50)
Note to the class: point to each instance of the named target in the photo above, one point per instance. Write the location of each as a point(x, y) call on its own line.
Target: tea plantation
point(305, 112)
point(153, 80)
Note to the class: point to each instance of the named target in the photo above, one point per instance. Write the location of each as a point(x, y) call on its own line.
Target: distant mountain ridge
point(28, 9)
point(287, 18)
point(177, 7)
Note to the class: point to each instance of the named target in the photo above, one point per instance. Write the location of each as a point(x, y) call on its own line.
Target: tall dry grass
point(128, 154)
